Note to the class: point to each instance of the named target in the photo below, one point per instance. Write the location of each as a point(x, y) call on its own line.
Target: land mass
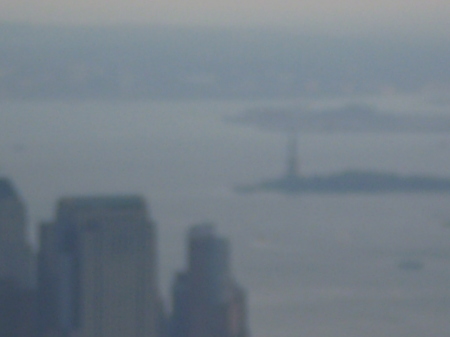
point(350, 182)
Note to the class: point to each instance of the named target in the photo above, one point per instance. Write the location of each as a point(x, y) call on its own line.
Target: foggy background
point(176, 62)
point(311, 264)
point(137, 98)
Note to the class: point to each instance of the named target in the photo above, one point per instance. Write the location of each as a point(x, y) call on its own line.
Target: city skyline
point(121, 98)
point(96, 274)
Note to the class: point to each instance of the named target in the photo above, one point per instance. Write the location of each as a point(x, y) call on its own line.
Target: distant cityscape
point(96, 274)
point(42, 62)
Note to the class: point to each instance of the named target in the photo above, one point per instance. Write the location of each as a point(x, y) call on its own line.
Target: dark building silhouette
point(17, 283)
point(98, 270)
point(207, 302)
point(48, 282)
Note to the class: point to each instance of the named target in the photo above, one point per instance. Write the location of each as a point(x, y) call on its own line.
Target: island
point(348, 181)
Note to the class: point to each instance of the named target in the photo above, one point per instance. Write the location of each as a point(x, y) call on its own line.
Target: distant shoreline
point(350, 182)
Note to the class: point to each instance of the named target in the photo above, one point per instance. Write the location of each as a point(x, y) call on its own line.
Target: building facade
point(207, 302)
point(99, 269)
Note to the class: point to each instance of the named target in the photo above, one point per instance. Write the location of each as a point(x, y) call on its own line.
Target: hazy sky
point(344, 16)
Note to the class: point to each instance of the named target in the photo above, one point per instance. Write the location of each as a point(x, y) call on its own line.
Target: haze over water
point(313, 265)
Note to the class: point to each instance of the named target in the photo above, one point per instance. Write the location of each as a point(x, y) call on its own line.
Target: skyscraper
point(207, 302)
point(101, 256)
point(16, 258)
point(17, 301)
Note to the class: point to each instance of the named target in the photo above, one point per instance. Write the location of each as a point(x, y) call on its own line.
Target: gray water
point(312, 265)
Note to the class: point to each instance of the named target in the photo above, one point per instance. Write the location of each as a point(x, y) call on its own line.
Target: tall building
point(98, 269)
point(17, 292)
point(207, 302)
point(48, 282)
point(16, 257)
